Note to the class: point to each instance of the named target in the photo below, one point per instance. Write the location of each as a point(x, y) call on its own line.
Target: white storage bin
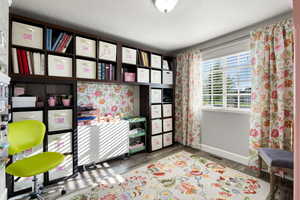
point(156, 142)
point(155, 61)
point(155, 76)
point(167, 110)
point(65, 169)
point(168, 139)
point(59, 120)
point(156, 126)
point(59, 66)
point(85, 69)
point(85, 47)
point(167, 77)
point(27, 35)
point(19, 102)
point(143, 75)
point(30, 115)
point(107, 51)
point(156, 96)
point(61, 143)
point(128, 55)
point(168, 125)
point(156, 111)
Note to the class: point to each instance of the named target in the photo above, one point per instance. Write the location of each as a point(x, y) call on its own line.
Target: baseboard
point(225, 154)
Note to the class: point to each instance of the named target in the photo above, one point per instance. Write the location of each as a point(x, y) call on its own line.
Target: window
point(227, 82)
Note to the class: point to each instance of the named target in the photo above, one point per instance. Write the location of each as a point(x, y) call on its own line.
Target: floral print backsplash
point(109, 98)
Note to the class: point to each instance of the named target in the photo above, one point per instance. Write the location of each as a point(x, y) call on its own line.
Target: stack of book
point(106, 72)
point(28, 63)
point(143, 58)
point(58, 44)
point(86, 115)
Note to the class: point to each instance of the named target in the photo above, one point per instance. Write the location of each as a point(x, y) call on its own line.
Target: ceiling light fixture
point(165, 6)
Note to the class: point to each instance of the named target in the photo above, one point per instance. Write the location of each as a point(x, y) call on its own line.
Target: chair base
point(37, 191)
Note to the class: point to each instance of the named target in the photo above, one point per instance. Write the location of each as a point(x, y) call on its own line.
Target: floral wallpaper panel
point(109, 98)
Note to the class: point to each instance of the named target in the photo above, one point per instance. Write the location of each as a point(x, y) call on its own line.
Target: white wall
point(226, 134)
point(4, 28)
point(3, 63)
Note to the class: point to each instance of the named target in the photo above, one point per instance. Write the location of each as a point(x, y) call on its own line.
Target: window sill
point(237, 111)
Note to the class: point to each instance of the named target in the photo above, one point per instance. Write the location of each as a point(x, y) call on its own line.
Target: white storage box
point(30, 115)
point(155, 61)
point(65, 169)
point(61, 143)
point(168, 139)
point(168, 125)
point(59, 66)
point(128, 55)
point(167, 110)
point(3, 195)
point(85, 69)
point(156, 76)
point(107, 51)
point(85, 47)
point(156, 111)
point(156, 142)
point(156, 96)
point(27, 35)
point(168, 77)
point(143, 75)
point(59, 120)
point(156, 126)
point(19, 102)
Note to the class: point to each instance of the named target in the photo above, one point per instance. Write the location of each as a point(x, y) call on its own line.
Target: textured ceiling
point(191, 22)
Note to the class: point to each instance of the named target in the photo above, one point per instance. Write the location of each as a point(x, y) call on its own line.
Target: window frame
point(225, 94)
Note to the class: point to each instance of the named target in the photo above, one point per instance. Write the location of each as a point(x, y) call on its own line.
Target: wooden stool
point(274, 158)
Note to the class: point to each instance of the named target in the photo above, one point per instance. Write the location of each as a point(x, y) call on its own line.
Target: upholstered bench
point(274, 158)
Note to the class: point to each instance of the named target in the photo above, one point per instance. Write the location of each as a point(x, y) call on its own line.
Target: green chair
point(22, 136)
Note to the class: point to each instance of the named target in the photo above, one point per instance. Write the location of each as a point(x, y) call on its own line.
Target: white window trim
point(224, 108)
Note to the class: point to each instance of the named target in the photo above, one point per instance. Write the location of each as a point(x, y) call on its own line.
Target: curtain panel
point(272, 52)
point(187, 98)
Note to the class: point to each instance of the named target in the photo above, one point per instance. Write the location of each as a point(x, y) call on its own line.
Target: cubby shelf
point(71, 52)
point(59, 107)
point(27, 109)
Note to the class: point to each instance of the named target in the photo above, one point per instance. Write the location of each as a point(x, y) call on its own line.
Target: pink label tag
point(85, 48)
point(60, 67)
point(86, 69)
point(60, 120)
point(27, 36)
point(60, 168)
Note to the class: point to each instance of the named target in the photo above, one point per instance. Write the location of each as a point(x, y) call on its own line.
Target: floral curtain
point(187, 98)
point(272, 51)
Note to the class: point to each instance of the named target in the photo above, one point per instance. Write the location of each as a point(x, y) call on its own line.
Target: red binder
point(19, 56)
point(25, 63)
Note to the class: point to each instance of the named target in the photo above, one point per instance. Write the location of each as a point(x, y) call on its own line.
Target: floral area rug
point(182, 176)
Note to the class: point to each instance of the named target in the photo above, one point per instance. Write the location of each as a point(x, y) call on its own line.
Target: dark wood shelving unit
point(45, 80)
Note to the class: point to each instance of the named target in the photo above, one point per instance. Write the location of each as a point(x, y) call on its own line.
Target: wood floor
point(121, 166)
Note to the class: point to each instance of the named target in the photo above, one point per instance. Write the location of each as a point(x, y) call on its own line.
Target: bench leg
point(259, 166)
point(273, 184)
